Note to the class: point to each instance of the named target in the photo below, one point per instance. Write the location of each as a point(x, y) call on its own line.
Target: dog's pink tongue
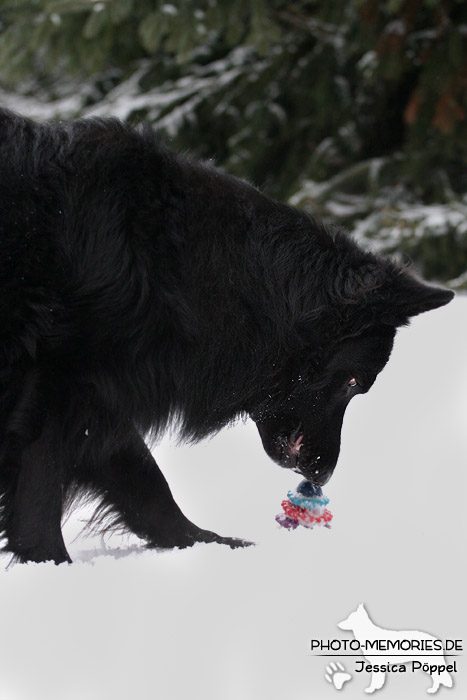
point(295, 446)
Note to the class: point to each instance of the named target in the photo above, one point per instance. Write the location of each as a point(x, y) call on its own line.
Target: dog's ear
point(373, 290)
point(407, 296)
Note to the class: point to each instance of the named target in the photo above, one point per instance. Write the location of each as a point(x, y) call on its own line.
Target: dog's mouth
point(296, 454)
point(289, 447)
point(296, 448)
point(295, 445)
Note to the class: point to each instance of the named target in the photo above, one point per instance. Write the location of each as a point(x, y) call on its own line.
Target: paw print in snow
point(337, 675)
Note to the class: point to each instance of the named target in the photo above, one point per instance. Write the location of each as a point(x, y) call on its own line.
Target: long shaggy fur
point(140, 288)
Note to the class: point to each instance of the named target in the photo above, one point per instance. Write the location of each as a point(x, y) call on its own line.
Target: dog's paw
point(337, 675)
point(232, 542)
point(191, 535)
point(184, 534)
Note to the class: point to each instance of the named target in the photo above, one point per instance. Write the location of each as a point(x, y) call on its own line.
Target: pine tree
point(349, 108)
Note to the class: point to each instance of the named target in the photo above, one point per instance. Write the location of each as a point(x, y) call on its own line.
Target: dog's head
point(300, 422)
point(302, 429)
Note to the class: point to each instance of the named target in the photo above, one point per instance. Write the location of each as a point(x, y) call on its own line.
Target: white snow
point(209, 623)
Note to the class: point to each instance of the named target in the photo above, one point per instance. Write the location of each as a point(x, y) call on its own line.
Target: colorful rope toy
point(305, 506)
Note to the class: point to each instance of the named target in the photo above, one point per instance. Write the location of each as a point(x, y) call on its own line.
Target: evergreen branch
point(323, 31)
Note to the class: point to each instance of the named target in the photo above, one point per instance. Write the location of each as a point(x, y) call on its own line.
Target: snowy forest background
point(355, 110)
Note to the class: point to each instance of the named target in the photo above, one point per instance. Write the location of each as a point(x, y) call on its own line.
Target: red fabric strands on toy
point(312, 512)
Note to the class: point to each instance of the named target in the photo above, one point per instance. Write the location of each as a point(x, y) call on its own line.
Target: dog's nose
point(317, 475)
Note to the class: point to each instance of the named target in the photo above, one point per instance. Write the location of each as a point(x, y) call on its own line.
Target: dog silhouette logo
point(412, 642)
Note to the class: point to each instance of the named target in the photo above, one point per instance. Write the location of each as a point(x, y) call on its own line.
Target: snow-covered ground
point(209, 623)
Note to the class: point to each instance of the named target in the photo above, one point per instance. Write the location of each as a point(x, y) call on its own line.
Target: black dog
point(140, 288)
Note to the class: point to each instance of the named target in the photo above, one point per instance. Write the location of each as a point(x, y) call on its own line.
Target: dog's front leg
point(33, 504)
point(133, 488)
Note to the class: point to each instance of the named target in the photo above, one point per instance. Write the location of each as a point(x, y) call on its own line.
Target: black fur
point(140, 288)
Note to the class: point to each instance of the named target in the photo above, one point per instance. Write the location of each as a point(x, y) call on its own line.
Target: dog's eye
point(352, 382)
